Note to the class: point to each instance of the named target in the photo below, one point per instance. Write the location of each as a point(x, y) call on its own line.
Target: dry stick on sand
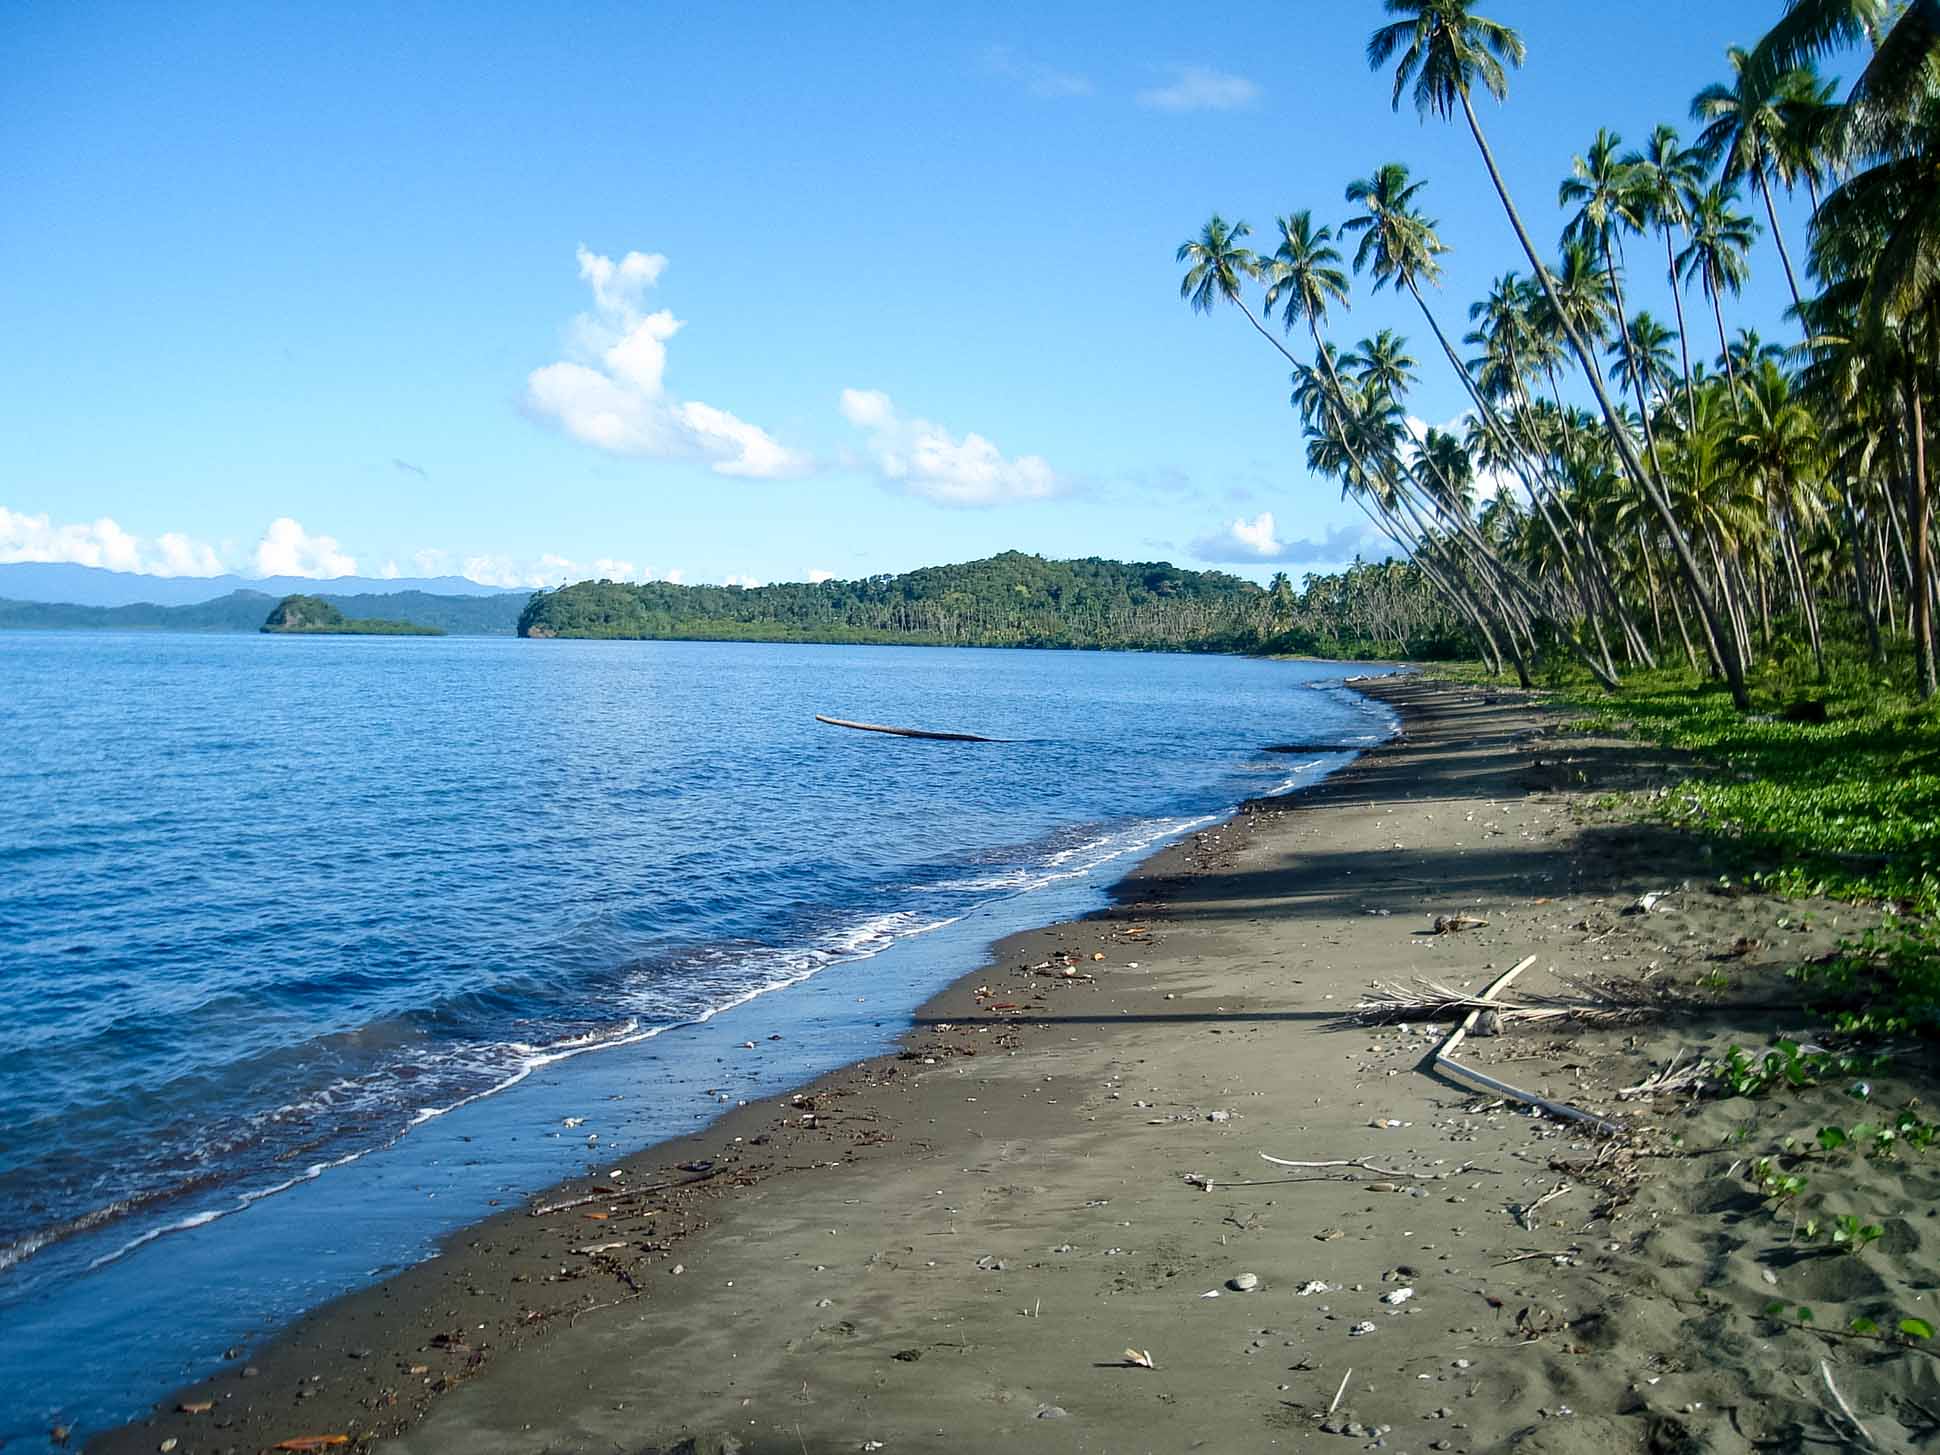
point(1866, 1435)
point(1444, 1061)
point(1363, 1164)
point(1527, 1215)
point(1342, 1390)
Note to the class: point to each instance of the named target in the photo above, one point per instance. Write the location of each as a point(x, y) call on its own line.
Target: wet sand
point(953, 1248)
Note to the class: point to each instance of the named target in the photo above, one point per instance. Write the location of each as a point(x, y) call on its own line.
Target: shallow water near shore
point(309, 949)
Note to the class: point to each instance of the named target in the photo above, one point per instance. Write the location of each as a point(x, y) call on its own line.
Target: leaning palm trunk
point(1604, 671)
point(1732, 661)
point(1920, 536)
point(1475, 607)
point(1683, 330)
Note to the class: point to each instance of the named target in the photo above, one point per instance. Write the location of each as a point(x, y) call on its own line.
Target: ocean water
point(308, 947)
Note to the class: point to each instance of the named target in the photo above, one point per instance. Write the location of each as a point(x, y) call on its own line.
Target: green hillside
point(303, 615)
point(1012, 600)
point(244, 611)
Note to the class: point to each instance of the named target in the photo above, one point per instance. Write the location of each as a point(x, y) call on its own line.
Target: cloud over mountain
point(1258, 540)
point(926, 460)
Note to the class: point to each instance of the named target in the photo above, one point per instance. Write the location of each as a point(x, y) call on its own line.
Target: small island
point(313, 616)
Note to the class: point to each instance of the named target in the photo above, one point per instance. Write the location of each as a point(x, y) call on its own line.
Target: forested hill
point(1015, 600)
point(1012, 600)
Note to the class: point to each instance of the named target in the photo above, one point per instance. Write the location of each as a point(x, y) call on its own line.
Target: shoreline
point(955, 1244)
point(321, 1325)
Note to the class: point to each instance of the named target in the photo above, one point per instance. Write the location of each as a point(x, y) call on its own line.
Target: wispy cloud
point(1201, 88)
point(1258, 540)
point(547, 570)
point(613, 395)
point(818, 576)
point(926, 460)
point(410, 469)
point(1047, 83)
point(103, 543)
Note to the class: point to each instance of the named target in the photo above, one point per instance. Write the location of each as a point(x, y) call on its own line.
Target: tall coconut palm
point(1745, 134)
point(1664, 173)
point(1778, 443)
point(1879, 238)
point(1641, 353)
point(1896, 82)
point(1304, 278)
point(1446, 49)
point(1715, 257)
point(1219, 269)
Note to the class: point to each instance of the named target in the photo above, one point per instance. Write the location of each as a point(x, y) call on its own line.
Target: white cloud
point(926, 460)
point(614, 395)
point(741, 581)
point(1258, 540)
point(1201, 88)
point(818, 576)
point(287, 549)
point(1047, 83)
point(675, 578)
point(102, 543)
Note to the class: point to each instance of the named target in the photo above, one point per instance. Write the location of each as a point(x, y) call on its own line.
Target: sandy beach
point(956, 1248)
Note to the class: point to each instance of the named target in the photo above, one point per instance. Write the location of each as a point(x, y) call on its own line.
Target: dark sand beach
point(955, 1247)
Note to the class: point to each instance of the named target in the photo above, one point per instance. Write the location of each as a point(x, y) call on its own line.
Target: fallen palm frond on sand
point(1389, 1002)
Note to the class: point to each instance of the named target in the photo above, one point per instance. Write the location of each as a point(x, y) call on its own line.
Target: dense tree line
point(1663, 498)
point(1018, 600)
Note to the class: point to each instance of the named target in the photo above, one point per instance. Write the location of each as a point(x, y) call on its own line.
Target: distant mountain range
point(245, 611)
point(93, 586)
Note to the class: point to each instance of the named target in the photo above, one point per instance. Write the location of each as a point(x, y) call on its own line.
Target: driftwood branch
point(1362, 1164)
point(905, 732)
point(1444, 1061)
point(1865, 1435)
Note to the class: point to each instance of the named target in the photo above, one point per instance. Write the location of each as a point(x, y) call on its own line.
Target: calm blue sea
point(309, 946)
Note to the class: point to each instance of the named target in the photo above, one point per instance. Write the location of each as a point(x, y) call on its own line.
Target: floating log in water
point(905, 732)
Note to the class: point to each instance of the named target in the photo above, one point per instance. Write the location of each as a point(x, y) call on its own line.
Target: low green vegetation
point(1847, 807)
point(313, 616)
point(1016, 600)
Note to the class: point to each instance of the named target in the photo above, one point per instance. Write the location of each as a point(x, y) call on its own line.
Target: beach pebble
point(1363, 1327)
point(1398, 1297)
point(1244, 1282)
point(1054, 1412)
point(1219, 1116)
point(168, 1445)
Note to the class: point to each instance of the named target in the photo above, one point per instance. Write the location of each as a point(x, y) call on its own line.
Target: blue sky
point(319, 289)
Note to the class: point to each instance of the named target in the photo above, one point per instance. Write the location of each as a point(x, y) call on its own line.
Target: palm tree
point(1879, 238)
point(1664, 173)
point(1778, 443)
point(1446, 49)
point(1219, 267)
point(1746, 134)
point(1715, 256)
point(1641, 353)
point(1897, 81)
point(1304, 277)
